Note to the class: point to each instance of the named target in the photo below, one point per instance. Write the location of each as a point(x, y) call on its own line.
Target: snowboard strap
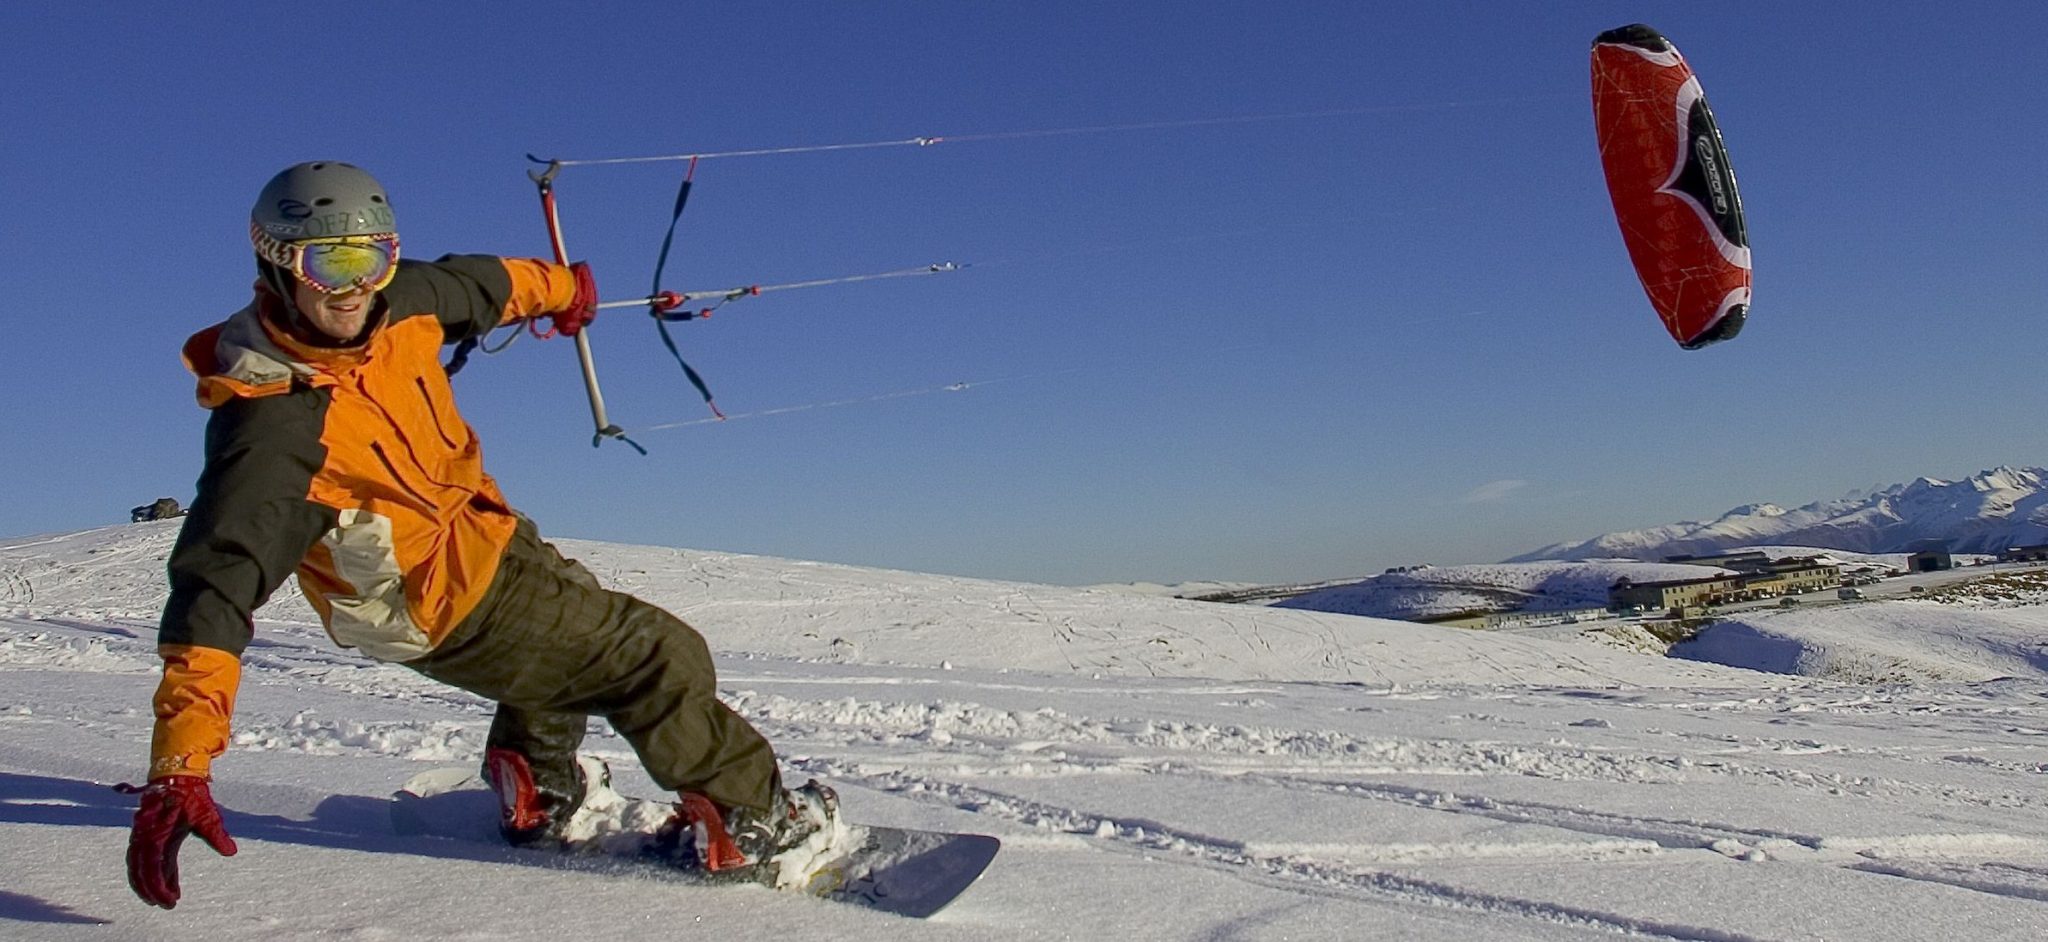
point(715, 848)
point(519, 804)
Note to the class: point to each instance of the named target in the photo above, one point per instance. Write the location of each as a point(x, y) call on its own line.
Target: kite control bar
point(545, 180)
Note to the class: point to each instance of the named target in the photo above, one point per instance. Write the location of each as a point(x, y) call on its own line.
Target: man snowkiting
point(334, 449)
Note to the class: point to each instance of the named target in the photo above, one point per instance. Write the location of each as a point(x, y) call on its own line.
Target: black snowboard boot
point(780, 847)
point(535, 803)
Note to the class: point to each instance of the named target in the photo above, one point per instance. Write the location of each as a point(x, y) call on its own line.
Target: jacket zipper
point(434, 415)
point(399, 479)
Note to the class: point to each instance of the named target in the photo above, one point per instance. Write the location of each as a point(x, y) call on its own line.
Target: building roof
point(1668, 583)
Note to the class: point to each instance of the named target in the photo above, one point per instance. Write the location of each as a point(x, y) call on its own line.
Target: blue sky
point(1270, 350)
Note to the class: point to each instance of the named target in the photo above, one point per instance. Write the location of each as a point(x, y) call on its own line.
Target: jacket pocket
point(434, 414)
point(374, 616)
point(398, 478)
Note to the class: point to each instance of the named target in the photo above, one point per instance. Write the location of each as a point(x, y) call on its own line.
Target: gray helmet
point(320, 199)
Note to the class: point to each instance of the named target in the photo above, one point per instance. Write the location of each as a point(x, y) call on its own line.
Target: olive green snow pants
point(553, 647)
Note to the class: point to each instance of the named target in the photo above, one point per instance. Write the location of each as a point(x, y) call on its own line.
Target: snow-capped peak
point(1984, 513)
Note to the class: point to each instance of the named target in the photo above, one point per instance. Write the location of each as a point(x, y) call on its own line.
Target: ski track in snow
point(987, 742)
point(1735, 807)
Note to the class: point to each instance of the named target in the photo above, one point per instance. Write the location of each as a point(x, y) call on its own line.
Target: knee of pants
point(675, 661)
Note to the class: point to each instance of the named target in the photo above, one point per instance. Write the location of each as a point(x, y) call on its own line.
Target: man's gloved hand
point(583, 309)
point(172, 807)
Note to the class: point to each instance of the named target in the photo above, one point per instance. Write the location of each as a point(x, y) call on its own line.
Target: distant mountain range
point(1984, 513)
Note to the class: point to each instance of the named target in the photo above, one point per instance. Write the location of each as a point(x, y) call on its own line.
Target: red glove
point(582, 310)
point(172, 807)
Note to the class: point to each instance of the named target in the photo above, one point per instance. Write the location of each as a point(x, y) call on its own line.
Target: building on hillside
point(1790, 576)
point(2037, 553)
point(1930, 560)
point(1756, 576)
point(1474, 620)
point(1497, 621)
point(1735, 561)
point(1673, 593)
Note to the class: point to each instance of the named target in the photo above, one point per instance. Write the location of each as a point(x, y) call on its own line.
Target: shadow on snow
point(343, 822)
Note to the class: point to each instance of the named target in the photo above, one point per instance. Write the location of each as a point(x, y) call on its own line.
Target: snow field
point(1406, 783)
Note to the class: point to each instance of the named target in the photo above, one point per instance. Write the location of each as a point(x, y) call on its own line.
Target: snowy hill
point(1984, 629)
point(764, 607)
point(1443, 590)
point(1157, 770)
point(1984, 513)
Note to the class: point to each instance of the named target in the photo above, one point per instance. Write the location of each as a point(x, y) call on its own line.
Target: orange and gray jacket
point(350, 466)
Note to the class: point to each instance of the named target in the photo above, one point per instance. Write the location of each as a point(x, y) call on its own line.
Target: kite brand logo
point(1709, 156)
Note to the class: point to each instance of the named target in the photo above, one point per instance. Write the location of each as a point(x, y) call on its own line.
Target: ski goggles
point(334, 265)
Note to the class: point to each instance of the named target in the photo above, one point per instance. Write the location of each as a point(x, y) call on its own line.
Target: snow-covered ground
point(1157, 769)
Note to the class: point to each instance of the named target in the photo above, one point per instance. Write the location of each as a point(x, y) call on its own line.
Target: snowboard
point(902, 871)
